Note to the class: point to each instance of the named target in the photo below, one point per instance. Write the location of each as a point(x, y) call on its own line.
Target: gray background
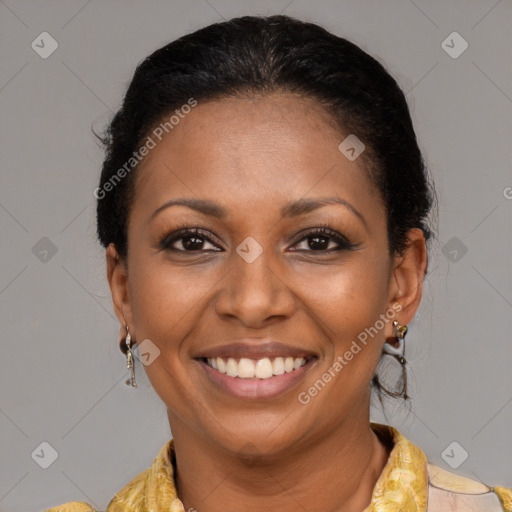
point(62, 375)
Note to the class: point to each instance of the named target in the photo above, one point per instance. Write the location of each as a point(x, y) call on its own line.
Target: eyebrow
point(290, 210)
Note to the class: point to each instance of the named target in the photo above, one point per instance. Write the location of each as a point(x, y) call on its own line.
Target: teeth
point(221, 365)
point(278, 366)
point(246, 368)
point(298, 363)
point(232, 368)
point(288, 364)
point(262, 368)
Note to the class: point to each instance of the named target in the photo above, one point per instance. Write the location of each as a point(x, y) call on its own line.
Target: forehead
point(262, 148)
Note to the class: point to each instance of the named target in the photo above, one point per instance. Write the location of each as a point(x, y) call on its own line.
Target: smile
point(265, 368)
point(265, 378)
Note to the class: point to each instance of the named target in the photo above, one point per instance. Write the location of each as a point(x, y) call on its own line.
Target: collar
point(402, 485)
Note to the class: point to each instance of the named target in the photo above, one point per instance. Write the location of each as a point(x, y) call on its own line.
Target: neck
point(336, 472)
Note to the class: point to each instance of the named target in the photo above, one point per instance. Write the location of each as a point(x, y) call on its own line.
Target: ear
point(406, 284)
point(117, 275)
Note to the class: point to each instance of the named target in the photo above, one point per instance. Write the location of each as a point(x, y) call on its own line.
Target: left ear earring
point(399, 353)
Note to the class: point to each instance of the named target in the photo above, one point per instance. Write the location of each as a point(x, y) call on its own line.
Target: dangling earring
point(125, 346)
point(399, 354)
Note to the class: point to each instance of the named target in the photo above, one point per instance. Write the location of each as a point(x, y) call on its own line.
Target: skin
point(253, 155)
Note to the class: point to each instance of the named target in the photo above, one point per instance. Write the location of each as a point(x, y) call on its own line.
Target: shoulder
point(72, 506)
point(131, 498)
point(146, 491)
point(448, 491)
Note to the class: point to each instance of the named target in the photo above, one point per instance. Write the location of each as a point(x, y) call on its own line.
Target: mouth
point(265, 368)
point(250, 379)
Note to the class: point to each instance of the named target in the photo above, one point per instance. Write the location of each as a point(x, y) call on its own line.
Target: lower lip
point(256, 388)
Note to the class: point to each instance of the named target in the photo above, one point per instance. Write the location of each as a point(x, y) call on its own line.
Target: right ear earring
point(126, 348)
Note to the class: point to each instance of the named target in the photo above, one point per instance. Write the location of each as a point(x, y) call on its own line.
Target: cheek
point(165, 298)
point(163, 309)
point(349, 298)
point(167, 305)
point(351, 316)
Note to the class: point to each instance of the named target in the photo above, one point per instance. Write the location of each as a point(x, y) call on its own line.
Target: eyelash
point(323, 231)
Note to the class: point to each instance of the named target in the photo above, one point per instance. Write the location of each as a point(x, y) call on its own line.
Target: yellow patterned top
point(408, 483)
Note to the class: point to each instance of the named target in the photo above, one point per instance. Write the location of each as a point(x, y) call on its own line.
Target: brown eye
point(321, 239)
point(191, 239)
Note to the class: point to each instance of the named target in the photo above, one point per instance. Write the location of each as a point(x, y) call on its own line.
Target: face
point(268, 260)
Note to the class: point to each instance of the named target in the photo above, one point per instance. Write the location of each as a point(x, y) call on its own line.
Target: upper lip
point(254, 348)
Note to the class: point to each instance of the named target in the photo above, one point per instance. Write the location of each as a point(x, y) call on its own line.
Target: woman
point(263, 205)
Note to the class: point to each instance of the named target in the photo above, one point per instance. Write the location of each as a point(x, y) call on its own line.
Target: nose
point(255, 293)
